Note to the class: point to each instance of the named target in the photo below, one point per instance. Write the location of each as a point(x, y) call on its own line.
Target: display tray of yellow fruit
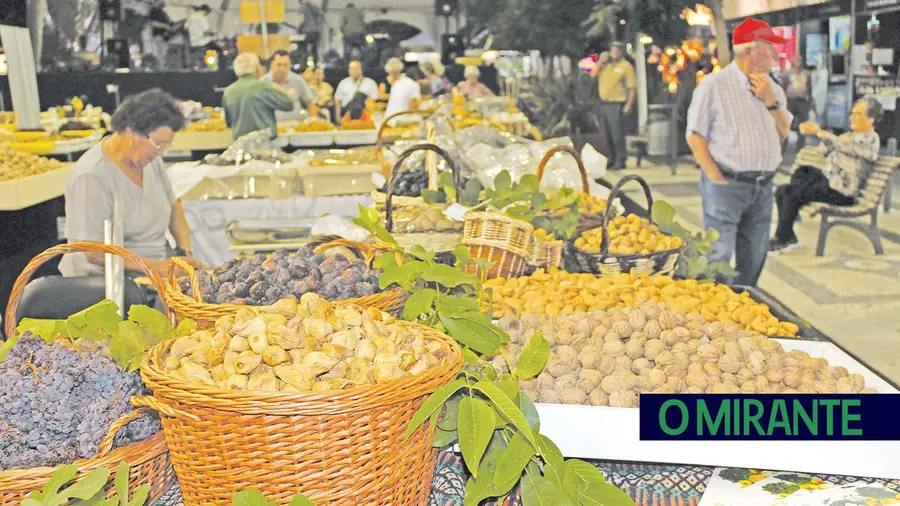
point(207, 125)
point(315, 126)
point(628, 235)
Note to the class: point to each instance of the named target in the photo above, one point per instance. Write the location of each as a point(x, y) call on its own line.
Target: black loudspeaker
point(117, 51)
point(452, 47)
point(14, 13)
point(110, 10)
point(446, 7)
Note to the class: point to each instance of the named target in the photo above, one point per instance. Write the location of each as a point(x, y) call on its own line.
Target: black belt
point(755, 177)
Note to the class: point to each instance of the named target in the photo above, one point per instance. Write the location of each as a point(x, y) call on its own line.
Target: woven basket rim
point(629, 257)
point(307, 404)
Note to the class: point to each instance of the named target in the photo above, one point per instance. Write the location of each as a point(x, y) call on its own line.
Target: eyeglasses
point(160, 148)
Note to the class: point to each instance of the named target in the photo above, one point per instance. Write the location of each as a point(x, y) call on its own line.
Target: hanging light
point(646, 39)
point(211, 58)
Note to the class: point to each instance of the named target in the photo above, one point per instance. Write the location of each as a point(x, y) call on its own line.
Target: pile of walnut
point(607, 358)
point(15, 164)
point(556, 291)
point(305, 346)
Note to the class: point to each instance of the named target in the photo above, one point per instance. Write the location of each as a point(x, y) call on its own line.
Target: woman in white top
point(199, 33)
point(403, 91)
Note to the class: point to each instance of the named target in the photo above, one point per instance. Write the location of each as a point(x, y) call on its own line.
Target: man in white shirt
point(354, 91)
point(294, 85)
point(403, 91)
point(199, 33)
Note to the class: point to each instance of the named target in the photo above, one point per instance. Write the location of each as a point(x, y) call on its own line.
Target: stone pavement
point(850, 294)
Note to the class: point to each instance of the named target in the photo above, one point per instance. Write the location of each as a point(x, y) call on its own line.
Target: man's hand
point(196, 264)
point(716, 176)
point(809, 128)
point(627, 108)
point(761, 85)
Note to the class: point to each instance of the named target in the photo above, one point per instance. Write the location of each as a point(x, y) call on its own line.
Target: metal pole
point(265, 28)
point(850, 91)
point(640, 60)
point(114, 268)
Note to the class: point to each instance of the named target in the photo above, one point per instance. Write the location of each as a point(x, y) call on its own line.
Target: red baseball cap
point(751, 30)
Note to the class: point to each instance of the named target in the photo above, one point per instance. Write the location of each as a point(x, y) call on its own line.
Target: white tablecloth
point(208, 218)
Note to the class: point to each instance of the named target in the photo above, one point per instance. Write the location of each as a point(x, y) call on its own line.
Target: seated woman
point(315, 79)
point(394, 69)
point(128, 163)
point(438, 85)
point(472, 88)
point(850, 158)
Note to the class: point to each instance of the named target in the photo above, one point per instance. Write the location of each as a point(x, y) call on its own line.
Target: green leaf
point(301, 500)
point(470, 357)
point(585, 471)
point(603, 494)
point(448, 276)
point(471, 194)
point(529, 182)
point(508, 385)
point(533, 357)
point(140, 495)
point(476, 426)
point(6, 346)
point(121, 482)
point(454, 305)
point(554, 475)
point(432, 196)
point(511, 465)
point(369, 220)
point(434, 401)
point(503, 182)
point(127, 346)
point(507, 408)
point(48, 330)
point(549, 451)
point(418, 303)
point(444, 438)
point(712, 235)
point(474, 330)
point(402, 275)
point(483, 264)
point(249, 497)
point(450, 413)
point(540, 491)
point(386, 260)
point(723, 268)
point(663, 213)
point(96, 322)
point(530, 411)
point(421, 253)
point(697, 266)
point(185, 327)
point(462, 256)
point(50, 493)
point(156, 327)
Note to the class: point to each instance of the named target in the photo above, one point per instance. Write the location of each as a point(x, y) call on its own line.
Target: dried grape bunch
point(261, 280)
point(608, 358)
point(409, 183)
point(58, 401)
point(305, 346)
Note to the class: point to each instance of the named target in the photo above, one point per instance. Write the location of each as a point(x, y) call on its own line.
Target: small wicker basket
point(543, 253)
point(500, 239)
point(380, 142)
point(339, 448)
point(148, 460)
point(604, 264)
point(205, 314)
point(585, 221)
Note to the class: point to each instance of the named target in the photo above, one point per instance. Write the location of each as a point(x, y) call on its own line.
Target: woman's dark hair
point(280, 52)
point(146, 112)
point(873, 108)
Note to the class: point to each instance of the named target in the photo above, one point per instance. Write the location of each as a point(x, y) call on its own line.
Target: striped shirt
point(738, 127)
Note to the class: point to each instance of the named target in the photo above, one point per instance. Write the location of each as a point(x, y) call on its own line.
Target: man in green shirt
point(249, 103)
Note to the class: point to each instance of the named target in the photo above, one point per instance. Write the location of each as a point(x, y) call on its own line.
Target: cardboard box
point(28, 191)
point(592, 432)
point(251, 13)
point(337, 180)
point(254, 44)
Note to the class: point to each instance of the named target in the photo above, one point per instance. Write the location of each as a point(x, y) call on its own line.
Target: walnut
point(682, 360)
point(730, 364)
point(622, 328)
point(623, 399)
point(640, 364)
point(650, 310)
point(859, 383)
point(712, 370)
point(666, 320)
point(791, 362)
point(675, 385)
point(668, 337)
point(567, 353)
point(693, 345)
point(657, 377)
point(761, 382)
point(868, 391)
point(665, 358)
point(607, 365)
point(734, 349)
point(775, 376)
point(652, 329)
point(566, 381)
point(748, 387)
point(744, 375)
point(806, 389)
point(565, 338)
point(637, 320)
point(612, 384)
point(589, 379)
point(826, 388)
point(846, 386)
point(558, 367)
point(679, 348)
point(774, 361)
point(572, 395)
point(729, 378)
point(614, 348)
point(695, 367)
point(792, 379)
point(546, 381)
point(639, 337)
point(589, 356)
point(756, 362)
point(623, 363)
point(548, 396)
point(838, 372)
point(628, 377)
point(653, 347)
point(697, 380)
point(725, 388)
point(770, 345)
point(598, 397)
point(634, 349)
point(708, 352)
point(612, 337)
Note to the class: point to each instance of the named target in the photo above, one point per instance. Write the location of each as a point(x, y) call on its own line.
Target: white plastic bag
point(339, 226)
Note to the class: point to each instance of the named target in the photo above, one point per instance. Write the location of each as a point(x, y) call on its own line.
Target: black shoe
point(778, 247)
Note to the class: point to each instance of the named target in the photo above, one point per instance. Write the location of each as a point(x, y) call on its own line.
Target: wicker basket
point(543, 253)
point(585, 221)
point(500, 239)
point(380, 142)
point(339, 448)
point(148, 460)
point(206, 314)
point(604, 264)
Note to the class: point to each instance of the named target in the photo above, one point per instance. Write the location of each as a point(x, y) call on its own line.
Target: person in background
point(315, 78)
point(199, 33)
point(291, 83)
point(311, 19)
point(352, 93)
point(434, 78)
point(394, 69)
point(472, 88)
point(160, 26)
point(850, 158)
point(617, 87)
point(353, 29)
point(404, 92)
point(249, 103)
point(797, 84)
point(736, 123)
point(128, 163)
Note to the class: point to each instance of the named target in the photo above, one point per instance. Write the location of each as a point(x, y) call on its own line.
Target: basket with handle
point(606, 264)
point(437, 239)
point(339, 448)
point(382, 132)
point(586, 221)
point(500, 239)
point(205, 314)
point(148, 460)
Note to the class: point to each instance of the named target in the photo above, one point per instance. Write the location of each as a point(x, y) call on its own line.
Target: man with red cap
point(736, 124)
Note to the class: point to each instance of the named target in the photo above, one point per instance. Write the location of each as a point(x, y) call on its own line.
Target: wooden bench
point(869, 201)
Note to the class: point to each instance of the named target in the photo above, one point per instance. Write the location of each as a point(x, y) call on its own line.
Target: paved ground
point(850, 294)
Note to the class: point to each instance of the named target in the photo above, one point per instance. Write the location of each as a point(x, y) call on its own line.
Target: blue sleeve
point(701, 113)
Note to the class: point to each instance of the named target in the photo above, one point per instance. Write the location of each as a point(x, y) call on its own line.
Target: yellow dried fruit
point(246, 362)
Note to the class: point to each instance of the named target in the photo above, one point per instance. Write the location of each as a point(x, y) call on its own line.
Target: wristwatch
point(181, 252)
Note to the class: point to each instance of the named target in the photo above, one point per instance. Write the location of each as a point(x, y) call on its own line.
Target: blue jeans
point(742, 214)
